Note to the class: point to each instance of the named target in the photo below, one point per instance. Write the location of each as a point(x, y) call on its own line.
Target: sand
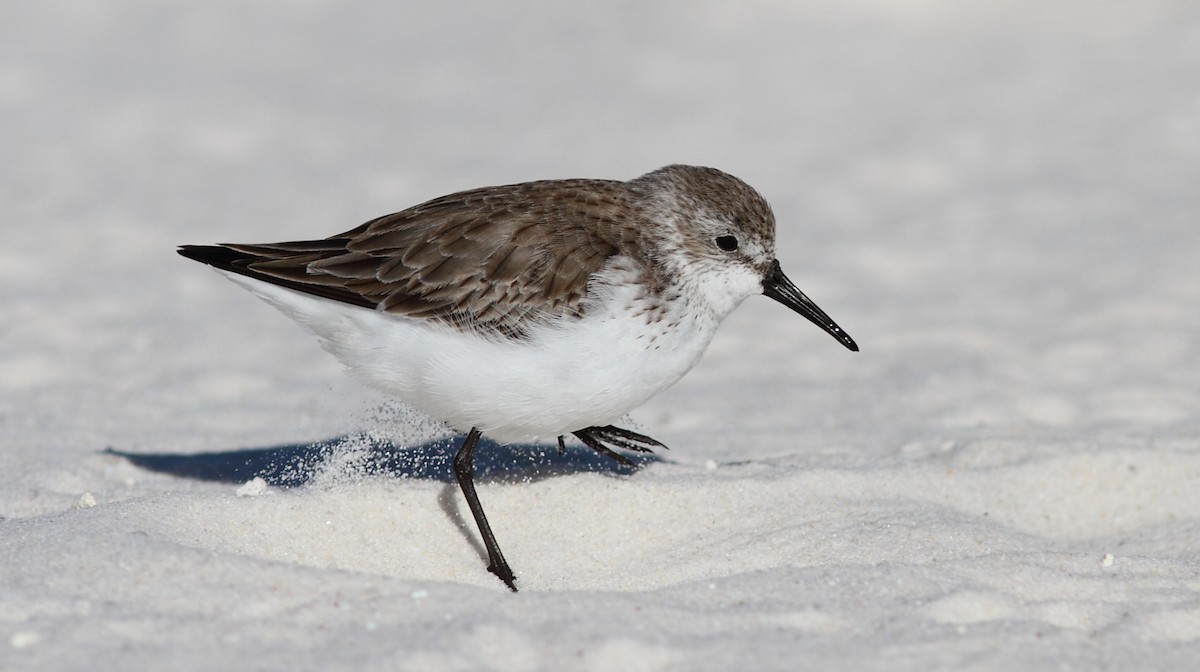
point(998, 200)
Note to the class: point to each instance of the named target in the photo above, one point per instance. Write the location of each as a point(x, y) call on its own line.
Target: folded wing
point(492, 259)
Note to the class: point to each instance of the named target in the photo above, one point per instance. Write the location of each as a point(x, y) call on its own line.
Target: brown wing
point(491, 258)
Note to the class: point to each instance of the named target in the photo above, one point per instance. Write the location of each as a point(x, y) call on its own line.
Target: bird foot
point(604, 439)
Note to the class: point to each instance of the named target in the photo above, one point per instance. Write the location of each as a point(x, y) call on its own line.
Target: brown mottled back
point(487, 258)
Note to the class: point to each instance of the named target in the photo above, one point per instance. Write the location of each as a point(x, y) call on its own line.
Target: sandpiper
point(535, 310)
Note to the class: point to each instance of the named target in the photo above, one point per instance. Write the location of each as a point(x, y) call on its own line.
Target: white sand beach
point(998, 200)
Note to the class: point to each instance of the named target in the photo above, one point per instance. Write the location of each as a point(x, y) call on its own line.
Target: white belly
point(587, 372)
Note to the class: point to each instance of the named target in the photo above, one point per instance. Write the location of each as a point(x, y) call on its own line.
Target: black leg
point(464, 471)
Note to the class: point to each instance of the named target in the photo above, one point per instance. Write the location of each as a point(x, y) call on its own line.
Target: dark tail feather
point(291, 261)
point(218, 257)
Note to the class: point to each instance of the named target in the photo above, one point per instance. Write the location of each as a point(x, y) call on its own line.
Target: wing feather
point(492, 259)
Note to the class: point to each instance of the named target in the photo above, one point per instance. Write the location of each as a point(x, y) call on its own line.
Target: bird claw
point(505, 574)
point(604, 439)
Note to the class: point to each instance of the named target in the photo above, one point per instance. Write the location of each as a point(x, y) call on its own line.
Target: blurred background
point(998, 200)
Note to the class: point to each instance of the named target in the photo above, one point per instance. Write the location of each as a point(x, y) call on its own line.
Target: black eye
point(727, 243)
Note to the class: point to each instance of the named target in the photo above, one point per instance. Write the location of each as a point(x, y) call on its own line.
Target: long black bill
point(777, 286)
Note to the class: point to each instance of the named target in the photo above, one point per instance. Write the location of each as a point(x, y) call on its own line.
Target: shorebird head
point(724, 236)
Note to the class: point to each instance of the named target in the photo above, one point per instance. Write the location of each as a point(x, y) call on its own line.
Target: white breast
point(563, 377)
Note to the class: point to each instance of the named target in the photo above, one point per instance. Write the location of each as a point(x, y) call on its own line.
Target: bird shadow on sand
point(297, 464)
point(360, 455)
